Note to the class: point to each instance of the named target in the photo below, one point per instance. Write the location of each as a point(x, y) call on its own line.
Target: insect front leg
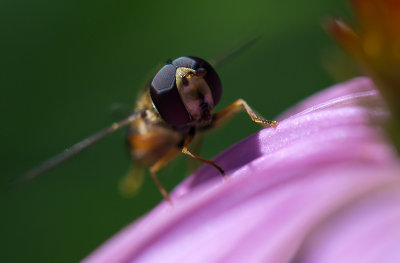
point(186, 151)
point(158, 165)
point(224, 115)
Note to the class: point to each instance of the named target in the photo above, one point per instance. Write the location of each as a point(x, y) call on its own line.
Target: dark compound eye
point(166, 98)
point(201, 72)
point(165, 95)
point(211, 76)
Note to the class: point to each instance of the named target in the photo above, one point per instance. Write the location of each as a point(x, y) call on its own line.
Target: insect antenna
point(227, 56)
point(75, 149)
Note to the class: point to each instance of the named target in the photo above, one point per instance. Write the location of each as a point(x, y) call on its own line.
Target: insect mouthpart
point(205, 112)
point(195, 93)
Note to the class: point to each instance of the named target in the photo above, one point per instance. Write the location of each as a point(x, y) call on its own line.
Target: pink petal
point(289, 186)
point(357, 86)
point(366, 230)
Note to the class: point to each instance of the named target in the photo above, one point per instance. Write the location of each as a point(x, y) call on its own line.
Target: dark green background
point(63, 63)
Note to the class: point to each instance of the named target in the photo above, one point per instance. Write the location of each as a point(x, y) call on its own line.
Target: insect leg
point(185, 150)
point(239, 105)
point(157, 166)
point(195, 146)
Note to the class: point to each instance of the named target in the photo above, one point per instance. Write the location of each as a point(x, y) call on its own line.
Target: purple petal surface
point(322, 185)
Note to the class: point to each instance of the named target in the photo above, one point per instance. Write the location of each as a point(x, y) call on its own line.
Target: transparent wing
point(120, 111)
point(75, 149)
point(226, 56)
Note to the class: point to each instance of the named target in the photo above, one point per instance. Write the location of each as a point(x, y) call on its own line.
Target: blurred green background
point(63, 63)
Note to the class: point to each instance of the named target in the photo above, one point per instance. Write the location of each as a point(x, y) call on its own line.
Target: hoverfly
point(171, 111)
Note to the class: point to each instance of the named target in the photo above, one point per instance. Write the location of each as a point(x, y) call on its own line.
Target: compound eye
point(210, 76)
point(201, 72)
point(166, 98)
point(213, 81)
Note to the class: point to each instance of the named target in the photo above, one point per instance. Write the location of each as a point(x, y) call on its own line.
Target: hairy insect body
point(170, 112)
point(149, 138)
